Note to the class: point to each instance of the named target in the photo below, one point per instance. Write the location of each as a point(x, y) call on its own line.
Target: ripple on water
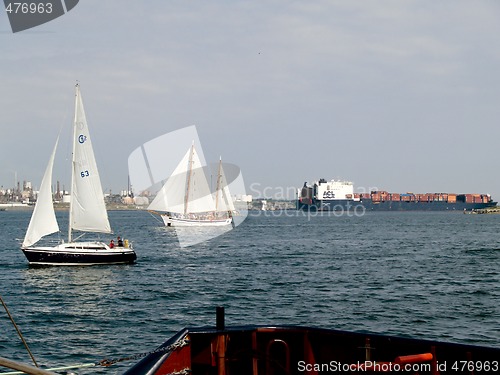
point(429, 275)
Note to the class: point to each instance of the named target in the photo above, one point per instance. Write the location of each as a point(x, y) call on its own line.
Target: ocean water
point(427, 275)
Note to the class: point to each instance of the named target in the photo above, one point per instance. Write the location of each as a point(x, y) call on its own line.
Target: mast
point(217, 189)
point(190, 166)
point(77, 92)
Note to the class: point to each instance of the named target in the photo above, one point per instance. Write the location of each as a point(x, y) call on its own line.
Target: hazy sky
point(399, 95)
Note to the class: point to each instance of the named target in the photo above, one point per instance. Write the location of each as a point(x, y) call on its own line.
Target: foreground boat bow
point(258, 350)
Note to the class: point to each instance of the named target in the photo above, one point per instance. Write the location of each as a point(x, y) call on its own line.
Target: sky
point(401, 96)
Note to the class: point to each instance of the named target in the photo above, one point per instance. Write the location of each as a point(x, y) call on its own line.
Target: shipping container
point(382, 196)
point(478, 199)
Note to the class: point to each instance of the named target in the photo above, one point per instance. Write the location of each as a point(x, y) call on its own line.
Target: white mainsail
point(87, 208)
point(186, 190)
point(198, 195)
point(43, 220)
point(171, 197)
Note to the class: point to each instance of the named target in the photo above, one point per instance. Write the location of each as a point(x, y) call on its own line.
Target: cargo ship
point(338, 195)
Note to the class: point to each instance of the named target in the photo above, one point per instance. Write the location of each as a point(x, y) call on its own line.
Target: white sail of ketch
point(223, 200)
point(186, 199)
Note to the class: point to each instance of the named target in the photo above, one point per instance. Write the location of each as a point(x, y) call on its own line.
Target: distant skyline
point(396, 95)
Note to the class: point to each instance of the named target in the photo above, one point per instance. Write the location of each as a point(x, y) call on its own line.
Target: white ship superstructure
point(334, 190)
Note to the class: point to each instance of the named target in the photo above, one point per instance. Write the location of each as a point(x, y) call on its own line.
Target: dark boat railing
point(264, 350)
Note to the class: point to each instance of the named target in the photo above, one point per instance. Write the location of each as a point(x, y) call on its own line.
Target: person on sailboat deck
point(112, 244)
point(120, 242)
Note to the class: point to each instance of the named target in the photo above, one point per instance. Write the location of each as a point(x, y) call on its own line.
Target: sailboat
point(87, 212)
point(186, 199)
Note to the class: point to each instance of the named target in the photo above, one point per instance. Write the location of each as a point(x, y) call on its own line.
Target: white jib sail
point(88, 210)
point(172, 194)
point(43, 220)
point(186, 190)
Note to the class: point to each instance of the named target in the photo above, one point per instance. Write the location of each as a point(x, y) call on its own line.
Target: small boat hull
point(79, 254)
point(182, 222)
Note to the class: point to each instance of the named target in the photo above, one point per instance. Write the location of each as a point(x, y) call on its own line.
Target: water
point(428, 275)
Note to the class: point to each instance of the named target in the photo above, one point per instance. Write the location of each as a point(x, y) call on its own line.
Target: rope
point(154, 214)
point(170, 348)
point(185, 371)
point(18, 332)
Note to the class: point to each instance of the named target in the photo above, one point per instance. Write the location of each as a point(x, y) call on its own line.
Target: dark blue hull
point(45, 257)
point(369, 205)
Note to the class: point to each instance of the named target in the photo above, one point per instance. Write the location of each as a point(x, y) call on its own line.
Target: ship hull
point(78, 254)
point(370, 205)
point(170, 221)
